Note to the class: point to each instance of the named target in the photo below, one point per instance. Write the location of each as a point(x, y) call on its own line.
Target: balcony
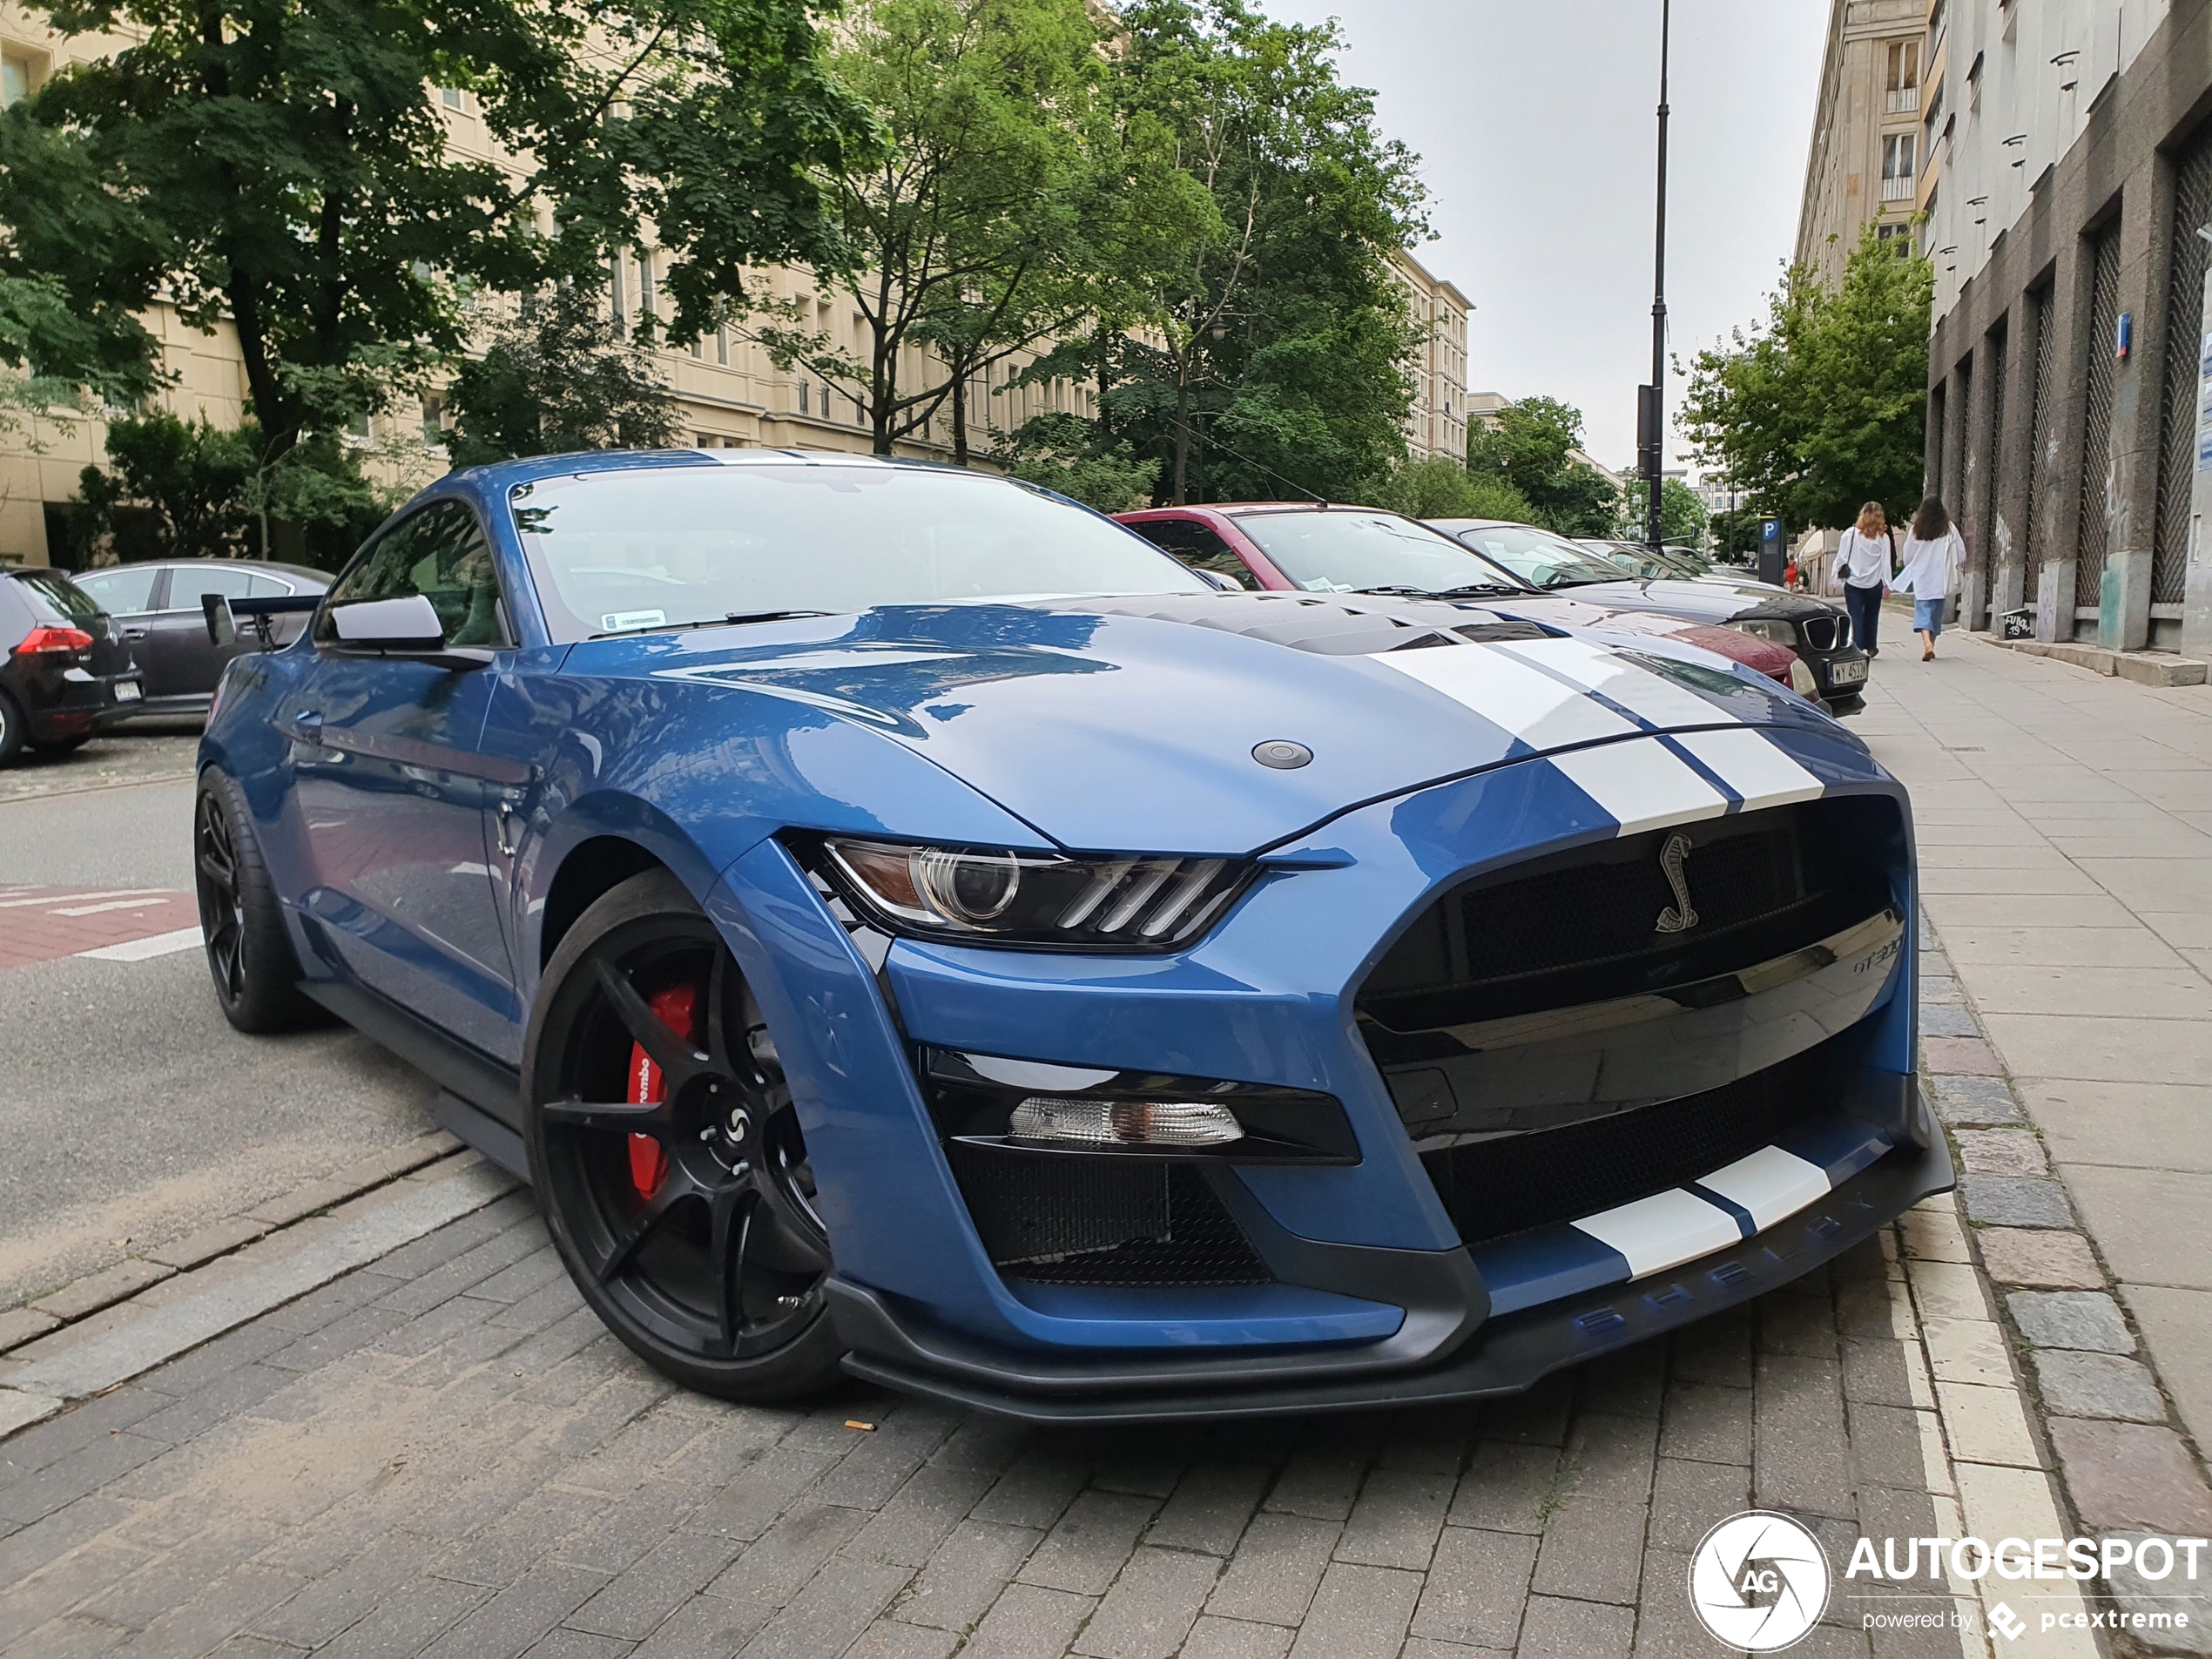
point(1901, 100)
point(1898, 190)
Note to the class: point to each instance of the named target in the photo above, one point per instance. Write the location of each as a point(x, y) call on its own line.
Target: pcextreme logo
point(1758, 1581)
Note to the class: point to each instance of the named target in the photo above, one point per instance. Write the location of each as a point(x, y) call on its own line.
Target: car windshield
point(1340, 549)
point(667, 546)
point(56, 598)
point(1537, 557)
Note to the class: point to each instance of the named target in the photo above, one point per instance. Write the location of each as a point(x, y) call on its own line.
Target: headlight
point(979, 896)
point(1774, 630)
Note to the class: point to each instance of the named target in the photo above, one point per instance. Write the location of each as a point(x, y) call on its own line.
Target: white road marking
point(1663, 1231)
point(1644, 784)
point(1754, 767)
point(113, 904)
point(138, 950)
point(71, 898)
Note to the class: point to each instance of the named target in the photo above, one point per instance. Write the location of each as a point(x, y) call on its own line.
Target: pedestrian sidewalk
point(2065, 827)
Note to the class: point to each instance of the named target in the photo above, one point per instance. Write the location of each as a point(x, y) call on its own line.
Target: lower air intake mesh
point(1066, 1218)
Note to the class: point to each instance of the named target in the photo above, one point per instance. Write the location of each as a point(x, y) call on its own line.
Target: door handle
point(134, 633)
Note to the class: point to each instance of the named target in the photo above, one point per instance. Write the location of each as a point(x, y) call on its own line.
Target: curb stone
point(2096, 1400)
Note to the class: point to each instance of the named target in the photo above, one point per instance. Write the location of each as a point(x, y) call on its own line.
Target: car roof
point(577, 463)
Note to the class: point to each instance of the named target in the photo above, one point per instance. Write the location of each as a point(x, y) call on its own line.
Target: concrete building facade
point(1437, 423)
point(1869, 139)
point(2067, 368)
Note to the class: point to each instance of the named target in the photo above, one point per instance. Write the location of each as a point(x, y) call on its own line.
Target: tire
point(12, 730)
point(249, 954)
point(709, 1263)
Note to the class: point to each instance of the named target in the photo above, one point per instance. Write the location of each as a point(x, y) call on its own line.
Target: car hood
point(1131, 725)
point(1710, 599)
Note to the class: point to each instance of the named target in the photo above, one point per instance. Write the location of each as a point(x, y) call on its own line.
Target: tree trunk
point(1182, 440)
point(959, 422)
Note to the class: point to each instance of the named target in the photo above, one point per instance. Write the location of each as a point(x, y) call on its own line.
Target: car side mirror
point(408, 627)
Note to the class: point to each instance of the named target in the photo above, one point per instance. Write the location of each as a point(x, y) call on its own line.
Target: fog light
point(1123, 1122)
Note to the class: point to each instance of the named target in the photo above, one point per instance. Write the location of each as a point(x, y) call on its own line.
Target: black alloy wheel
point(669, 1162)
point(249, 956)
point(11, 729)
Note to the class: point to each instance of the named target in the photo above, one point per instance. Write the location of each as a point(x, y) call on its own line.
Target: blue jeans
point(1865, 607)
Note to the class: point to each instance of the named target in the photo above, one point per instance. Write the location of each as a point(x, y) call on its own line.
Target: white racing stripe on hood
point(1663, 1231)
point(1753, 767)
point(1643, 783)
point(1539, 710)
point(1642, 692)
point(1770, 1184)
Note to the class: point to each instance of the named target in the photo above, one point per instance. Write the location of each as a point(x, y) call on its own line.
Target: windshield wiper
point(733, 618)
point(1477, 589)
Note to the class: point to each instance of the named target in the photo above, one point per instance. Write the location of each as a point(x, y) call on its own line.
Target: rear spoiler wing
point(223, 615)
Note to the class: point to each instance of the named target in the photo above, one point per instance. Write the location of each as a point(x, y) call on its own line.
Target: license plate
point(127, 690)
point(1846, 673)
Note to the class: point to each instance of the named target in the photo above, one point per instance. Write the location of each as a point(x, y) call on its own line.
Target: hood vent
point(1336, 625)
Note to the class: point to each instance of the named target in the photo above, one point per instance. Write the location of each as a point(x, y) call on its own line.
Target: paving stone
point(1277, 1568)
point(749, 1506)
point(1087, 1546)
point(908, 1529)
point(1151, 1607)
point(1208, 1507)
point(84, 1572)
point(1961, 1056)
point(1687, 1497)
point(1358, 1613)
point(1396, 1519)
point(19, 1325)
point(2131, 1477)
point(1878, 1371)
point(174, 1578)
point(2085, 1320)
point(1593, 1550)
point(779, 1565)
point(633, 1603)
point(1886, 1444)
point(1553, 1628)
point(1213, 1638)
point(2001, 1152)
point(564, 1643)
point(405, 1624)
point(1476, 1588)
point(2017, 1255)
point(827, 1617)
point(1717, 1351)
point(214, 1612)
point(519, 1615)
point(82, 1472)
point(2098, 1385)
point(1029, 1620)
point(966, 1574)
point(1508, 1488)
point(1946, 1019)
point(888, 1639)
point(1537, 1417)
point(1322, 1483)
point(2137, 1595)
point(337, 1600)
point(2011, 1201)
point(1630, 1383)
point(1034, 1492)
point(103, 1288)
point(1965, 1101)
point(1801, 1459)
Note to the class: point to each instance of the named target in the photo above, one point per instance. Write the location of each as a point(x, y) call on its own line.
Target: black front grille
point(1820, 633)
point(1582, 927)
point(1070, 1219)
point(1495, 1187)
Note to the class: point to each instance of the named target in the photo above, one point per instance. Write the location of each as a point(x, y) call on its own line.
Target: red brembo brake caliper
point(676, 1008)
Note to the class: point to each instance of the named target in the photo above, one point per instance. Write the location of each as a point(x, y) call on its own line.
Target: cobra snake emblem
point(1678, 917)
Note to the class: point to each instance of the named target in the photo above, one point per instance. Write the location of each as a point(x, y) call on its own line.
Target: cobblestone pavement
point(152, 750)
point(446, 1453)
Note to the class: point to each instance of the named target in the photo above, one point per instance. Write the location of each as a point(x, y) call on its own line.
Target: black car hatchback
point(66, 673)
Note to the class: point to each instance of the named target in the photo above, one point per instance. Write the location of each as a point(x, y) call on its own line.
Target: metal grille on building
point(2177, 421)
point(2038, 396)
point(1985, 533)
point(2096, 427)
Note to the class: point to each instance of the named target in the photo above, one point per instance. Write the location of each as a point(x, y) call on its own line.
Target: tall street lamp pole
point(1652, 421)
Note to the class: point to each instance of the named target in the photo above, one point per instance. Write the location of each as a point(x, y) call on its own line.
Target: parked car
point(1219, 541)
point(904, 925)
point(1818, 631)
point(67, 673)
point(157, 605)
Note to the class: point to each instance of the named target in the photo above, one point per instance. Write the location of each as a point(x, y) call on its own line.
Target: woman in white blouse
point(1933, 554)
point(1862, 566)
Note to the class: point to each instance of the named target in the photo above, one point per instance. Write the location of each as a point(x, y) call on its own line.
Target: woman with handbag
point(1934, 555)
point(1862, 566)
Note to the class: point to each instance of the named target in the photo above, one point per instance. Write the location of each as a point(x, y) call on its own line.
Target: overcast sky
point(1534, 120)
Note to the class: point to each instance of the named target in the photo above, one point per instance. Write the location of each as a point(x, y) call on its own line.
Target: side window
point(187, 583)
point(122, 591)
point(1199, 545)
point(268, 587)
point(439, 553)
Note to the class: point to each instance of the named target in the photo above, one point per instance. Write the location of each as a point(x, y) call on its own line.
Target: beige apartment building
point(1436, 424)
point(1869, 133)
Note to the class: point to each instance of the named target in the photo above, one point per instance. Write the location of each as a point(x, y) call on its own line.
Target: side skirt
point(479, 1099)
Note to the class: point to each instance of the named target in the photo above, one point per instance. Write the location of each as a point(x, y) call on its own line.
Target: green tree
point(1061, 452)
point(1824, 407)
point(1681, 516)
point(187, 478)
point(286, 169)
point(961, 230)
point(1440, 487)
point(557, 376)
point(1534, 445)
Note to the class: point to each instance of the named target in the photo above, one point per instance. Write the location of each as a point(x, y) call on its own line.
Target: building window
point(614, 294)
point(806, 396)
point(1899, 149)
point(646, 283)
point(454, 98)
point(15, 79)
point(722, 345)
point(1901, 84)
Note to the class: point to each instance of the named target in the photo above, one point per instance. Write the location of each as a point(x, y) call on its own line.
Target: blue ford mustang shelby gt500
point(900, 922)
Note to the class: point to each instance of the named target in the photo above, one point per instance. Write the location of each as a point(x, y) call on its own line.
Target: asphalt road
point(133, 1114)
